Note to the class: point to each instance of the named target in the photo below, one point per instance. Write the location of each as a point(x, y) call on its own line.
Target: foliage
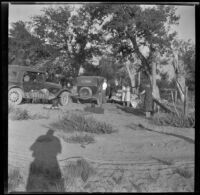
point(186, 55)
point(76, 122)
point(131, 27)
point(70, 34)
point(80, 138)
point(19, 114)
point(184, 172)
point(176, 120)
point(24, 48)
point(22, 114)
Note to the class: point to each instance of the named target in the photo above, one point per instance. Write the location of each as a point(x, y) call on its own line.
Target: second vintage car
point(89, 88)
point(28, 83)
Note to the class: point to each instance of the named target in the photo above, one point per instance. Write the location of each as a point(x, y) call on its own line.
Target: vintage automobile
point(26, 83)
point(89, 88)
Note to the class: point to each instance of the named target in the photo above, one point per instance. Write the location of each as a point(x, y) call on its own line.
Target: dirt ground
point(133, 159)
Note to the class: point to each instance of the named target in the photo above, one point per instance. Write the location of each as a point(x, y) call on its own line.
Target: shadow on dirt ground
point(44, 172)
point(141, 127)
point(135, 111)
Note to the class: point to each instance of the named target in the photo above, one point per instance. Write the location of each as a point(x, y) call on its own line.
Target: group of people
point(127, 96)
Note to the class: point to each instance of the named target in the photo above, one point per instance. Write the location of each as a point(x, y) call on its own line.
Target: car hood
point(53, 85)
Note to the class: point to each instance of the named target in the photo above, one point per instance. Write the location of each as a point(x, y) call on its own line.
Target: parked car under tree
point(89, 88)
point(25, 81)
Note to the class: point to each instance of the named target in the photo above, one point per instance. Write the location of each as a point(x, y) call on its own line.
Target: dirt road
point(151, 149)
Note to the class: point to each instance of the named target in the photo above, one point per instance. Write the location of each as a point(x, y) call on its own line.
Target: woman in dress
point(128, 96)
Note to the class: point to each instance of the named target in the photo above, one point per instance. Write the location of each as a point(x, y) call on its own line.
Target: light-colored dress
point(128, 95)
point(123, 93)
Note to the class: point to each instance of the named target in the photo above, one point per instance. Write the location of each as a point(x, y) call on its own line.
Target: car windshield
point(33, 76)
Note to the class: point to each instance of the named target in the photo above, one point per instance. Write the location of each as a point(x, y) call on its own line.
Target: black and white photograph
point(101, 97)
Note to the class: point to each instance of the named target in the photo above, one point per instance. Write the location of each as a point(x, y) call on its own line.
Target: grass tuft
point(75, 170)
point(81, 139)
point(14, 179)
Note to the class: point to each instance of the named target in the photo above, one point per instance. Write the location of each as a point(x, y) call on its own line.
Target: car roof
point(24, 68)
point(99, 77)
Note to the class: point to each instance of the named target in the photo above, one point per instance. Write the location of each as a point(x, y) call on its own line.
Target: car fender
point(16, 86)
point(62, 90)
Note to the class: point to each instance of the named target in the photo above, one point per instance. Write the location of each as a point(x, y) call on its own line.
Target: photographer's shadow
point(44, 172)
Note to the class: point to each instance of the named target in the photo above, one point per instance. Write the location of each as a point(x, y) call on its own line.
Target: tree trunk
point(131, 76)
point(156, 92)
point(180, 83)
point(180, 79)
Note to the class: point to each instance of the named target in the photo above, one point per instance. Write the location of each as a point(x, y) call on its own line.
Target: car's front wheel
point(15, 96)
point(64, 98)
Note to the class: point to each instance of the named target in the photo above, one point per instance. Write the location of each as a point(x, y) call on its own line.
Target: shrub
point(18, 114)
point(176, 120)
point(22, 114)
point(14, 179)
point(81, 139)
point(76, 122)
point(184, 172)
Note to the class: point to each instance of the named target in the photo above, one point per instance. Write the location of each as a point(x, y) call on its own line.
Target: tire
point(64, 98)
point(85, 92)
point(15, 96)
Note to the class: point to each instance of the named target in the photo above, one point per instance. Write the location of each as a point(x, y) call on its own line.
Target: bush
point(81, 139)
point(176, 120)
point(22, 114)
point(184, 172)
point(18, 114)
point(76, 122)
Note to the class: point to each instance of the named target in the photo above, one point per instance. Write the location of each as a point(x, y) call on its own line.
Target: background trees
point(126, 38)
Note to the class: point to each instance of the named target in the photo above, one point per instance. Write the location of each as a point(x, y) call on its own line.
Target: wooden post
point(175, 99)
point(139, 76)
point(186, 101)
point(172, 96)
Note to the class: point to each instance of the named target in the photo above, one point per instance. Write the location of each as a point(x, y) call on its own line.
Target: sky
point(185, 29)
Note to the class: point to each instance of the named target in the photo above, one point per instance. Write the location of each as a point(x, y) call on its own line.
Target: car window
point(30, 76)
point(40, 77)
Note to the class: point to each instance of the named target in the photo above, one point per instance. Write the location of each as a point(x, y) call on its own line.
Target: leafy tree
point(24, 48)
point(70, 34)
point(132, 27)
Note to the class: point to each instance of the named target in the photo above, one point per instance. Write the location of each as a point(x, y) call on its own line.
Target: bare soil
point(139, 157)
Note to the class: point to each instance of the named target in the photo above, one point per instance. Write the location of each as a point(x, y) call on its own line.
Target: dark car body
point(89, 88)
point(29, 79)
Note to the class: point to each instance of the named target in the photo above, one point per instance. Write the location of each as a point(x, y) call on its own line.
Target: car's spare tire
point(85, 92)
point(15, 96)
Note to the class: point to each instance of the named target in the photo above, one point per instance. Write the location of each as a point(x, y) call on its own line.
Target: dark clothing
point(148, 100)
point(103, 96)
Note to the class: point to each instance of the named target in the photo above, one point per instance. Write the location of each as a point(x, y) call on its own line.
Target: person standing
point(104, 87)
point(148, 100)
point(123, 94)
point(128, 96)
